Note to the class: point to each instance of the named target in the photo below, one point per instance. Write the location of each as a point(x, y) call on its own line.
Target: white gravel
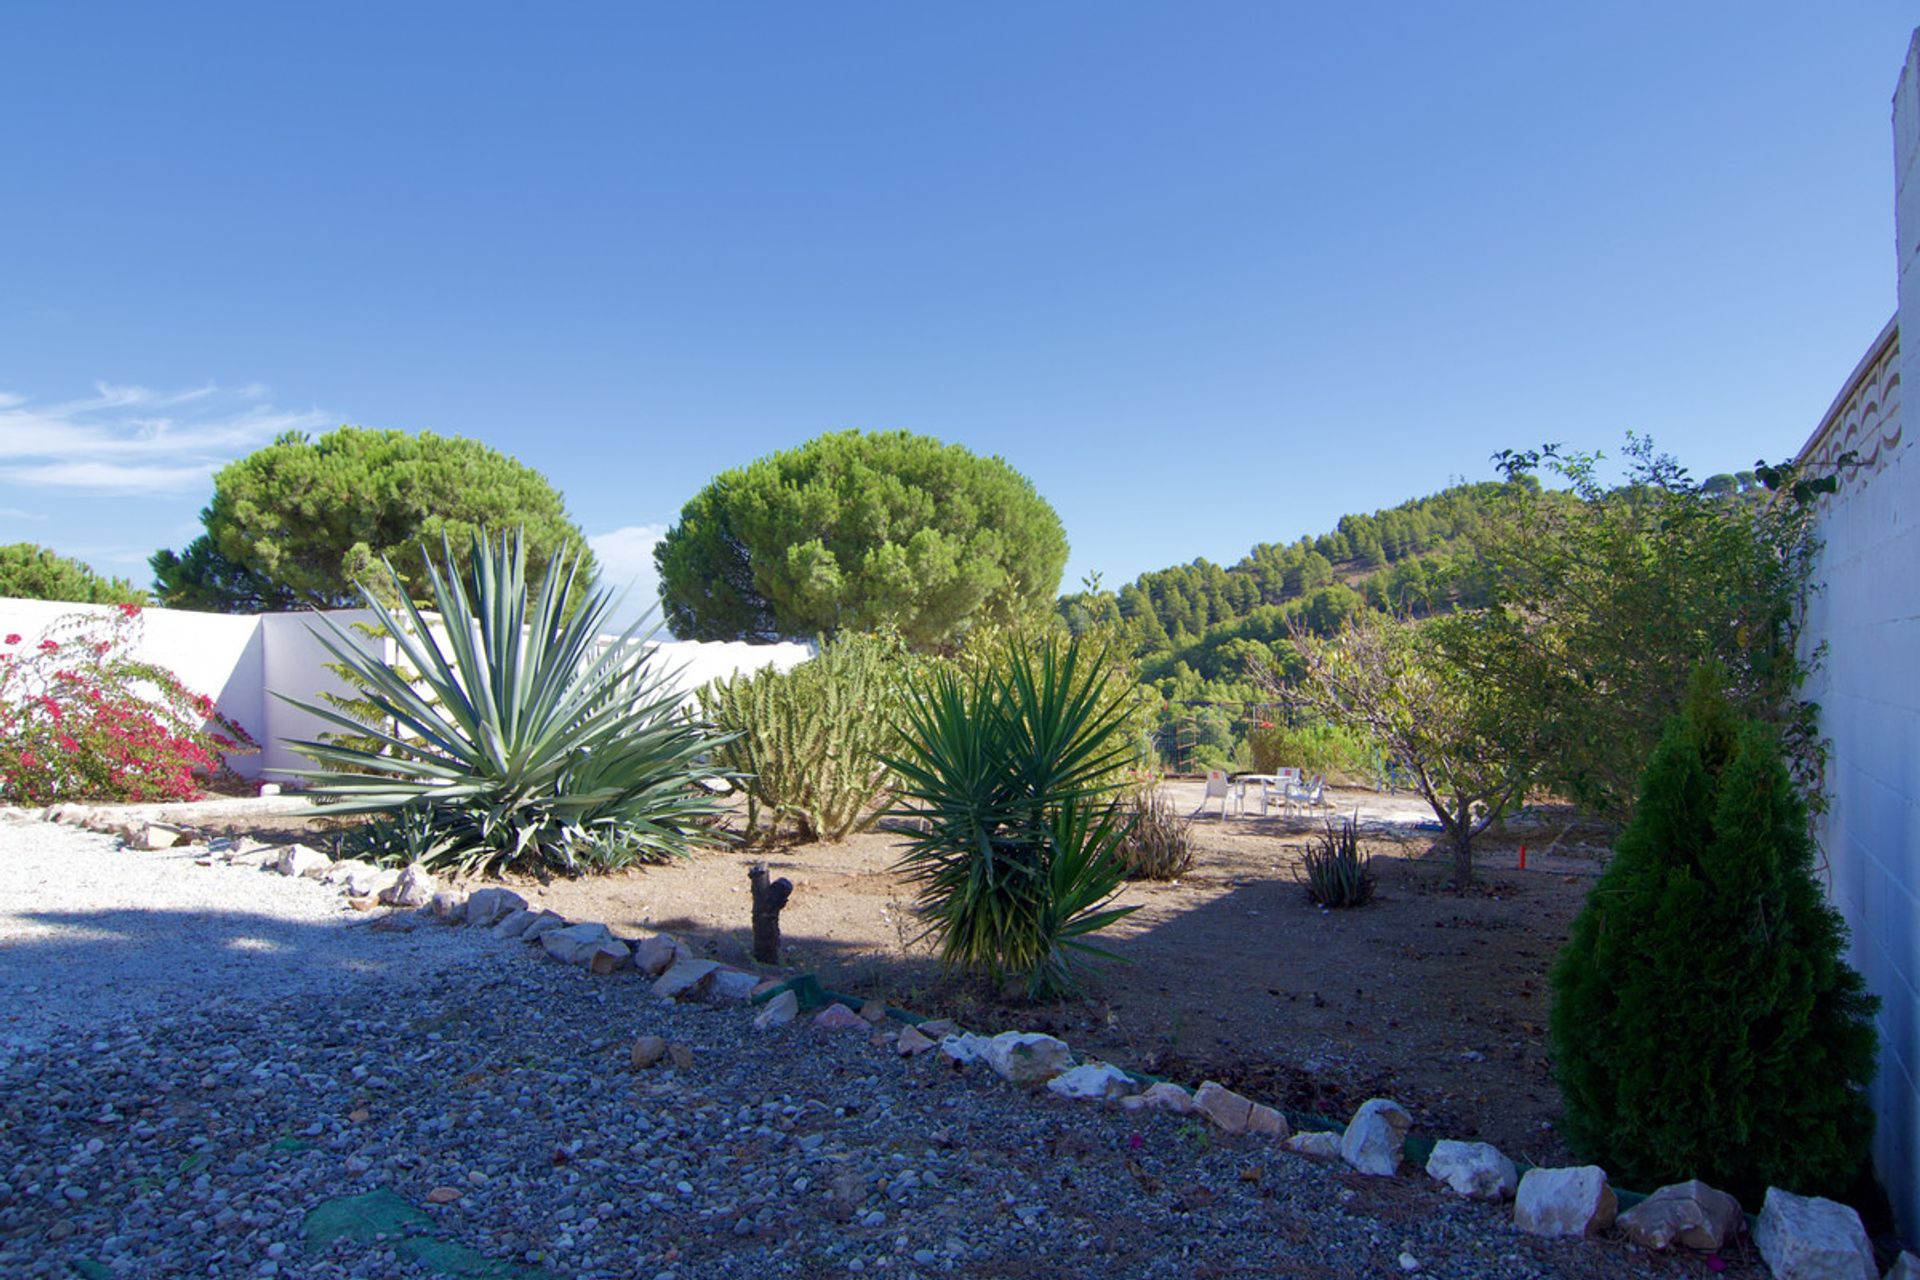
point(92, 934)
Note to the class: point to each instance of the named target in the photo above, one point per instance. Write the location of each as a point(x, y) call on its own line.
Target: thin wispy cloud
point(136, 440)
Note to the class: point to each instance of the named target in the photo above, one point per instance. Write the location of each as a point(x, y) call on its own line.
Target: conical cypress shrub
point(1704, 1024)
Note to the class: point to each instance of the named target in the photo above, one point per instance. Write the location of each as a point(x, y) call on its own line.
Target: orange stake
point(1523, 857)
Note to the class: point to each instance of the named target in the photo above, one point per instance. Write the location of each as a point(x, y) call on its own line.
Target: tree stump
point(768, 898)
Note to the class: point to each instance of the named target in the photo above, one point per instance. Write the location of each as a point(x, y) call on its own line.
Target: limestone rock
point(1319, 1145)
point(69, 815)
point(938, 1028)
point(1808, 1238)
point(1028, 1057)
point(837, 1017)
point(731, 985)
point(541, 925)
point(1267, 1122)
point(488, 907)
point(1905, 1267)
point(298, 860)
point(609, 957)
point(874, 1011)
point(1475, 1169)
point(1690, 1214)
point(654, 956)
point(514, 923)
point(1096, 1080)
point(778, 1012)
point(911, 1043)
point(1375, 1136)
point(685, 979)
point(646, 1051)
point(1227, 1109)
point(963, 1047)
point(1162, 1095)
point(154, 835)
point(680, 1056)
point(577, 943)
point(1564, 1202)
point(449, 907)
point(414, 888)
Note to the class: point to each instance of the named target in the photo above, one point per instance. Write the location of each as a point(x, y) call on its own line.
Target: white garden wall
point(1867, 615)
point(241, 661)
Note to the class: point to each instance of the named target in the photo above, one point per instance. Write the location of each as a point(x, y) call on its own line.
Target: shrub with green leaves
point(1334, 871)
point(1005, 777)
point(807, 743)
point(1315, 747)
point(1704, 1024)
point(531, 743)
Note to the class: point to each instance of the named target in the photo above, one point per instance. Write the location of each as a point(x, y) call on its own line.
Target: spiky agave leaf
point(524, 731)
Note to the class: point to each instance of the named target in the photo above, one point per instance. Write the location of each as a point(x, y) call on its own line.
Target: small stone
point(1905, 1267)
point(1690, 1214)
point(1475, 1169)
point(961, 1048)
point(359, 879)
point(1564, 1202)
point(685, 979)
point(487, 907)
point(837, 1017)
point(1809, 1238)
point(1166, 1096)
point(1318, 1144)
point(610, 958)
point(542, 925)
point(60, 1230)
point(414, 888)
point(646, 1051)
point(1267, 1122)
point(298, 860)
point(1028, 1058)
point(1375, 1136)
point(1227, 1109)
point(1091, 1080)
point(359, 1115)
point(731, 985)
point(577, 943)
point(912, 1043)
point(938, 1028)
point(1408, 1262)
point(874, 1011)
point(654, 956)
point(514, 923)
point(778, 1012)
point(155, 835)
point(448, 906)
point(443, 1195)
point(681, 1055)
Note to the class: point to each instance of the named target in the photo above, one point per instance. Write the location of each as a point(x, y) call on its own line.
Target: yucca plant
point(533, 744)
point(1014, 847)
point(806, 743)
point(1334, 871)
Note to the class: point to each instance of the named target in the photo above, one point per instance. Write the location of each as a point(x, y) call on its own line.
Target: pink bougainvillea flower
point(13, 638)
point(48, 646)
point(129, 610)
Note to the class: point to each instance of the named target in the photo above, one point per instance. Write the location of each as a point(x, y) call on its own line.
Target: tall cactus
point(809, 740)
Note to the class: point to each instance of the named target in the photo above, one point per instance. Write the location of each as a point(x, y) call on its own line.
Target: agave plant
point(1334, 871)
point(1015, 830)
point(531, 743)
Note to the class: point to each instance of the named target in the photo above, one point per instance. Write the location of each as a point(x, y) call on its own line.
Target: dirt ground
point(1436, 998)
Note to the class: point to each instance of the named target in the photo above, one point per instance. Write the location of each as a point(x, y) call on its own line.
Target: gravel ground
point(441, 1065)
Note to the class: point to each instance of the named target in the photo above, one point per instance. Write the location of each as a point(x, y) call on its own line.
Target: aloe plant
point(532, 743)
point(1334, 871)
point(1014, 827)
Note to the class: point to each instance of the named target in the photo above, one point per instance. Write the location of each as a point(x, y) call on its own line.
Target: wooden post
point(768, 898)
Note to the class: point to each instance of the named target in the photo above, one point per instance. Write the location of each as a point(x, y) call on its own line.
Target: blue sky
point(1209, 274)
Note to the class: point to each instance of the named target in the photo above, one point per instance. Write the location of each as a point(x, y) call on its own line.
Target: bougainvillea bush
point(81, 718)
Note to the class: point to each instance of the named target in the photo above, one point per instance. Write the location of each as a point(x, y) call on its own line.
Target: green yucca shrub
point(807, 743)
point(510, 733)
point(1704, 1023)
point(1334, 871)
point(1005, 778)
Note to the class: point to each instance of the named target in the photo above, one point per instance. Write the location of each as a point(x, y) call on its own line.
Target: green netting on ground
point(382, 1213)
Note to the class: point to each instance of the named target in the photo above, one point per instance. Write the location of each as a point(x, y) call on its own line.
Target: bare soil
point(1435, 997)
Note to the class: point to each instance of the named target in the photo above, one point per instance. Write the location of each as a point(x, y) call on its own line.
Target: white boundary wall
point(241, 661)
point(1867, 614)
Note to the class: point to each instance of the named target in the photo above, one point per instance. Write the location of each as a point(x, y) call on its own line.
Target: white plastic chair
point(1274, 790)
point(1310, 795)
point(1218, 785)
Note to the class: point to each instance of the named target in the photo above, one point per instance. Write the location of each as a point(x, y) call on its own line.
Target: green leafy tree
point(32, 572)
point(1617, 593)
point(1704, 1024)
point(853, 531)
point(298, 523)
point(1401, 686)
